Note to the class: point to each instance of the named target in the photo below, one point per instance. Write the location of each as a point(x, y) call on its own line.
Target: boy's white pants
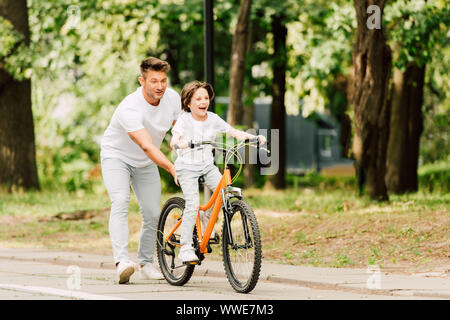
point(188, 180)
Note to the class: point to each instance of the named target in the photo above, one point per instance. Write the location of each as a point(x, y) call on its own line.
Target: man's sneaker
point(204, 218)
point(149, 272)
point(125, 269)
point(187, 254)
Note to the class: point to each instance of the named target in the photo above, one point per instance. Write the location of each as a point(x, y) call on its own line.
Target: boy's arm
point(242, 135)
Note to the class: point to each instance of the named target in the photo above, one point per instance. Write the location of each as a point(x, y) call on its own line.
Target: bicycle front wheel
point(241, 247)
point(173, 269)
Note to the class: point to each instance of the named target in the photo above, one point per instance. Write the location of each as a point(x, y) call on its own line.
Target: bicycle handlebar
point(193, 145)
point(215, 145)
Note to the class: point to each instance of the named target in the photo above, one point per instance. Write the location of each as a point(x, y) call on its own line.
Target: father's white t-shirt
point(135, 113)
point(197, 131)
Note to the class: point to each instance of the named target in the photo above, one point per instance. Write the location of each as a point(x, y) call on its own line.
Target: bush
point(435, 176)
point(313, 179)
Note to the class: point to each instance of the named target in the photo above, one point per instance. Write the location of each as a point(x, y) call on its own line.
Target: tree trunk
point(249, 168)
point(17, 150)
point(372, 61)
point(405, 129)
point(278, 109)
point(235, 111)
point(344, 84)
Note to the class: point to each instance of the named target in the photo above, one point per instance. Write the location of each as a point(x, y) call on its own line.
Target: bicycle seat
point(201, 180)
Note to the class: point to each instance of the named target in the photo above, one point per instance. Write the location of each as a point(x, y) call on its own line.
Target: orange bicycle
point(241, 241)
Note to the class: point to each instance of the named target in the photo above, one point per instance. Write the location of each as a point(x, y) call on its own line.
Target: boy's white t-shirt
point(135, 113)
point(196, 131)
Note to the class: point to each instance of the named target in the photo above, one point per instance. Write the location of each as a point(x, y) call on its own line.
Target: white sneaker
point(187, 254)
point(204, 218)
point(149, 272)
point(125, 269)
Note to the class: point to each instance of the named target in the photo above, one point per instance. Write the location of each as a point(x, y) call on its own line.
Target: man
point(130, 155)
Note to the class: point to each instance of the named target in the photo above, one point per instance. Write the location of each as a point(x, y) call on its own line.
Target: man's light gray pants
point(146, 184)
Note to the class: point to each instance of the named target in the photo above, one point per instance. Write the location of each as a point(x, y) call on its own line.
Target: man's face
point(154, 84)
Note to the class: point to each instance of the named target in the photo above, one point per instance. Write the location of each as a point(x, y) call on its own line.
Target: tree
point(272, 50)
point(17, 145)
point(235, 113)
point(405, 128)
point(416, 30)
point(372, 64)
point(278, 88)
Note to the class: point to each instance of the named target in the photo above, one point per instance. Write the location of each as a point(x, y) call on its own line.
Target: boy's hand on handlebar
point(262, 139)
point(182, 144)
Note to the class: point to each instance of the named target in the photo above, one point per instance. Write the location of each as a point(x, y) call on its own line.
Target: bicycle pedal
point(190, 263)
point(215, 240)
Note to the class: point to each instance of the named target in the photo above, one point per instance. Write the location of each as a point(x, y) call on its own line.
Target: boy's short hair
point(154, 64)
point(190, 88)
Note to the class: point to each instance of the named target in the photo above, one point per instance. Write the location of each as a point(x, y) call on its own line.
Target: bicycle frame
point(215, 200)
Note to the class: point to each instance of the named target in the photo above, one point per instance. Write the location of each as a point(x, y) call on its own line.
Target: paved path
point(44, 274)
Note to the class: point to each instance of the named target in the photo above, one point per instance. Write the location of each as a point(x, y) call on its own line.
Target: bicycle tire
point(182, 273)
point(239, 281)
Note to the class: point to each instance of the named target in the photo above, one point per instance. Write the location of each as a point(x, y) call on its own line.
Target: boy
point(197, 124)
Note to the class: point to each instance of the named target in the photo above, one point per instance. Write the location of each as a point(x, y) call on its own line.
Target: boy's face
point(199, 103)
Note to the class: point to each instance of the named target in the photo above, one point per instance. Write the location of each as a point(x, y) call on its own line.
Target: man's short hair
point(190, 88)
point(154, 64)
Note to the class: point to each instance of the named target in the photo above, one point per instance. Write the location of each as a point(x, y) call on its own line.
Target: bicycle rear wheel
point(175, 272)
point(241, 248)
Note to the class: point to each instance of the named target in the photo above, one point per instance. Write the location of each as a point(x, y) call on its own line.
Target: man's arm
point(143, 139)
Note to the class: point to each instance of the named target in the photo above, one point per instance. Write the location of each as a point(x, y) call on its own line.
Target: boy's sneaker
point(187, 254)
point(204, 218)
point(149, 272)
point(125, 269)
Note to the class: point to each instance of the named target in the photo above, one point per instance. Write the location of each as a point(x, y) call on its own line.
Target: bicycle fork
point(228, 212)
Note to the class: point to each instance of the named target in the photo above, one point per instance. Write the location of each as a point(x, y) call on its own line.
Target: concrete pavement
point(350, 280)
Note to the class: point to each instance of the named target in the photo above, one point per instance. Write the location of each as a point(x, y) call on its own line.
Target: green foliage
point(13, 51)
point(435, 140)
point(417, 26)
point(435, 177)
point(8, 37)
point(80, 73)
point(321, 54)
point(181, 40)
